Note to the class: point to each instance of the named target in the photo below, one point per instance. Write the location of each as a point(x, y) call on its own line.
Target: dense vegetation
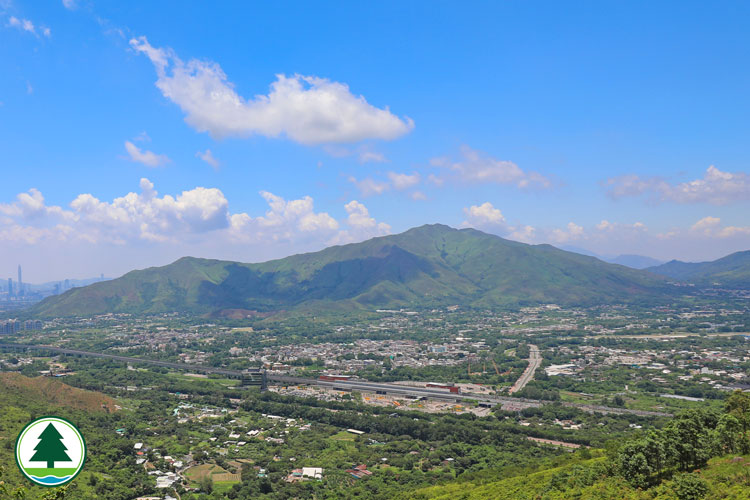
point(680, 461)
point(423, 267)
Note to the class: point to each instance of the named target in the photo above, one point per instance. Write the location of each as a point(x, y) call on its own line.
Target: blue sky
point(618, 127)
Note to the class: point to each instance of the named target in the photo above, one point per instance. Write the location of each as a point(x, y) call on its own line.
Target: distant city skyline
point(137, 133)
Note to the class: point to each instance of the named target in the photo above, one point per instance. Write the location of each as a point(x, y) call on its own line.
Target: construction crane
point(495, 365)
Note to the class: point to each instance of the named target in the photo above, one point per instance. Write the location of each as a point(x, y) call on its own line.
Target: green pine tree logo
point(50, 448)
point(50, 451)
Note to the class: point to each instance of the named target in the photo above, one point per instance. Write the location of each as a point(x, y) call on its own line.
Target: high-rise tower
point(20, 281)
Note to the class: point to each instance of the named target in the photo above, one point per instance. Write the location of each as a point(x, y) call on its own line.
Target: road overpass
point(258, 376)
point(249, 375)
point(535, 359)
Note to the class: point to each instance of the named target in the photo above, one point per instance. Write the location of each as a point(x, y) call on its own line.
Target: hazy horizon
point(132, 137)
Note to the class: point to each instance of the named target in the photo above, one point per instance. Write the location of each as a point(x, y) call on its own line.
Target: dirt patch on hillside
point(52, 390)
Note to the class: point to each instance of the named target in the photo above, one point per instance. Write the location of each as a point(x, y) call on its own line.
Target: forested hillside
point(431, 265)
point(700, 454)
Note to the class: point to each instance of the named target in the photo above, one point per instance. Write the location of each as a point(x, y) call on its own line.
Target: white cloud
point(367, 156)
point(711, 227)
point(398, 181)
point(477, 167)
point(483, 215)
point(607, 226)
point(301, 211)
point(418, 195)
point(28, 26)
point(146, 216)
point(31, 206)
point(369, 186)
point(715, 187)
point(148, 158)
point(361, 225)
point(572, 232)
point(208, 157)
point(306, 109)
point(403, 181)
point(486, 217)
point(706, 239)
point(524, 234)
point(70, 4)
point(434, 179)
point(190, 218)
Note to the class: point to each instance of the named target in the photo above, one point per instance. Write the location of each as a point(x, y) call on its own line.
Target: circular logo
point(50, 451)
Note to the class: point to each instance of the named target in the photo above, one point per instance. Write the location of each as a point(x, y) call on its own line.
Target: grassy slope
point(425, 266)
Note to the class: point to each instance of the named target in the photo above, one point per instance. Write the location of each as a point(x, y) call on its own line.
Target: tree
point(738, 405)
point(50, 448)
point(690, 487)
point(633, 464)
point(654, 451)
point(207, 483)
point(730, 435)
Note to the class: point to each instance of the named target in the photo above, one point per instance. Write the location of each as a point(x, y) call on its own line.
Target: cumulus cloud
point(30, 206)
point(148, 158)
point(367, 156)
point(306, 109)
point(208, 157)
point(712, 227)
point(285, 218)
point(476, 167)
point(150, 217)
point(486, 217)
point(191, 218)
point(715, 187)
point(398, 181)
point(403, 181)
point(524, 234)
point(369, 186)
point(360, 225)
point(29, 27)
point(484, 214)
point(571, 232)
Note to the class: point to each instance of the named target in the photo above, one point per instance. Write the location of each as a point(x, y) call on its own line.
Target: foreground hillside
point(697, 455)
point(425, 266)
point(724, 478)
point(732, 270)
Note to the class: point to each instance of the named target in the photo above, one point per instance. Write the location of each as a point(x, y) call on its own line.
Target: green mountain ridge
point(732, 270)
point(426, 266)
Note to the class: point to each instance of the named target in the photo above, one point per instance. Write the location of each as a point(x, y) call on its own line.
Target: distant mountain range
point(731, 271)
point(432, 265)
point(629, 260)
point(50, 285)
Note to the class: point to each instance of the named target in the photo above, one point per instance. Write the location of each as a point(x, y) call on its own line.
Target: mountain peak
point(428, 266)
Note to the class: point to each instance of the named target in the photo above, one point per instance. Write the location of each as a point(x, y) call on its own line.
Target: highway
point(131, 359)
point(535, 359)
point(345, 385)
